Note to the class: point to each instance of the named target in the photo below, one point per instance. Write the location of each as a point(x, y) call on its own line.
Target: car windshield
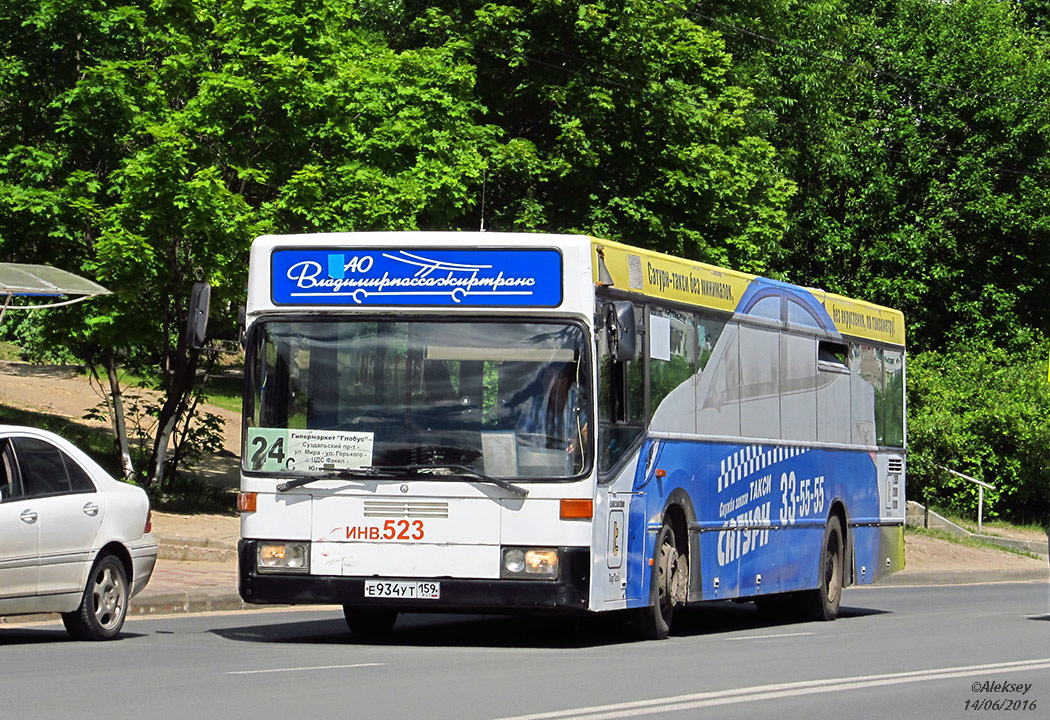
point(508, 399)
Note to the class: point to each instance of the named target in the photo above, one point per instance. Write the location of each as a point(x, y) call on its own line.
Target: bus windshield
point(509, 399)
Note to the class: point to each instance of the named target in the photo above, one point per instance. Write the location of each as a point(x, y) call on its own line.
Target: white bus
point(462, 422)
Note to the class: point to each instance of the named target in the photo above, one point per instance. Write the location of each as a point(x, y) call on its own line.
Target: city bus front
point(417, 461)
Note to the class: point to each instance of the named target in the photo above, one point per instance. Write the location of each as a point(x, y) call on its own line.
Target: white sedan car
point(72, 539)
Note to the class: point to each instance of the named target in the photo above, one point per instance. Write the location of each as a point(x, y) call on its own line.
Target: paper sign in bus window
point(281, 450)
point(660, 338)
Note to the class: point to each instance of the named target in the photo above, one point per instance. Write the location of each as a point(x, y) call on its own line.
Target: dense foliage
point(893, 150)
point(917, 134)
point(981, 410)
point(144, 144)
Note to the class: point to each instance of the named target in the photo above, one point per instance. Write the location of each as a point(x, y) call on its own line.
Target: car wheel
point(104, 604)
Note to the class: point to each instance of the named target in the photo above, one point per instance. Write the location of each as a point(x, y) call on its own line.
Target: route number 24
point(267, 452)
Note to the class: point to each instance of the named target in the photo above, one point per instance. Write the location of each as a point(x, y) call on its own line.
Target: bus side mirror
point(623, 332)
point(197, 317)
point(242, 323)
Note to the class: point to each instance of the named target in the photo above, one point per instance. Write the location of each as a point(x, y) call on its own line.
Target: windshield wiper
point(367, 472)
point(388, 471)
point(476, 474)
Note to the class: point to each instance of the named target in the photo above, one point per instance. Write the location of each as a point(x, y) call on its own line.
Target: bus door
point(620, 428)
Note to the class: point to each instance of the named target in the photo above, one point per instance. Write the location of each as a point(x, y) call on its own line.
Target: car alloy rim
point(108, 595)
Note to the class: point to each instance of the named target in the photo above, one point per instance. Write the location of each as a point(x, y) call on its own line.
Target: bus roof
point(562, 271)
point(657, 275)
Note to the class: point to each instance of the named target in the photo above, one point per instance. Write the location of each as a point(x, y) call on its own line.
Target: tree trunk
point(191, 400)
point(160, 451)
point(175, 405)
point(119, 424)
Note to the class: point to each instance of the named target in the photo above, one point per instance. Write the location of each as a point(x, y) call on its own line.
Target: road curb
point(966, 577)
point(176, 603)
point(194, 549)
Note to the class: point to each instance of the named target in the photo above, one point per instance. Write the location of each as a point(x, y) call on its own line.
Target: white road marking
point(780, 690)
point(300, 669)
point(767, 637)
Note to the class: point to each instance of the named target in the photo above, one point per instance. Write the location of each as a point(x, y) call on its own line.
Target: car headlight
point(283, 557)
point(529, 563)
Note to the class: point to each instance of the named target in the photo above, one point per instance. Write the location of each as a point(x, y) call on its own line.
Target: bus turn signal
point(246, 501)
point(577, 509)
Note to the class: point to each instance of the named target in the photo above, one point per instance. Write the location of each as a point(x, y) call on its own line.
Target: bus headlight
point(529, 563)
point(283, 557)
point(513, 561)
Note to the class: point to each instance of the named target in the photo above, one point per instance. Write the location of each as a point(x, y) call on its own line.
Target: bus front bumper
point(567, 593)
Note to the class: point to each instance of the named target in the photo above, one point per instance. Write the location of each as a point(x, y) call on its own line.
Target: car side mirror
point(623, 331)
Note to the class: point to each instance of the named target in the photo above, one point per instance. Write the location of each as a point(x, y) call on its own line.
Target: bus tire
point(370, 623)
point(670, 571)
point(823, 603)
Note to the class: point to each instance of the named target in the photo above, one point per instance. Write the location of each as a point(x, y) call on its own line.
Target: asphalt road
point(929, 652)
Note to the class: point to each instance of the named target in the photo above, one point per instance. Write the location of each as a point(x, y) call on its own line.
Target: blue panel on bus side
point(418, 277)
point(738, 492)
point(866, 552)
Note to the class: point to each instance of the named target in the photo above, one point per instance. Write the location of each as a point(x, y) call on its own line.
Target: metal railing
point(981, 485)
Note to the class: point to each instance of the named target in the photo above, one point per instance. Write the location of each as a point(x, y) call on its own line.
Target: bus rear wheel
point(669, 588)
point(823, 603)
point(371, 624)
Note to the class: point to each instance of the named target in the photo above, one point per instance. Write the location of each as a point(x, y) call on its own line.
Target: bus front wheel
point(669, 587)
point(823, 602)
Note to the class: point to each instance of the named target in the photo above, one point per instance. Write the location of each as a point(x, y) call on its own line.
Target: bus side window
point(718, 389)
point(867, 391)
point(672, 359)
point(621, 409)
point(893, 364)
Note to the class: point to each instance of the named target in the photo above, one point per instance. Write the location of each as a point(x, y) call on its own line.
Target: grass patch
point(969, 542)
point(1000, 528)
point(225, 391)
point(189, 495)
point(222, 390)
point(9, 352)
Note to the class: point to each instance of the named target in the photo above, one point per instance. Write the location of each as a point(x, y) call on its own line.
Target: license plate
point(418, 590)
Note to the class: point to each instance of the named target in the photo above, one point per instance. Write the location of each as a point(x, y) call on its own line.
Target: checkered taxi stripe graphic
point(752, 459)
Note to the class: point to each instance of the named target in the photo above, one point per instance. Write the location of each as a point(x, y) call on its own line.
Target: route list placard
point(282, 450)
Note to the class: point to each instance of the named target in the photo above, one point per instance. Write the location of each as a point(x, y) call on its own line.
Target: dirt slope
point(63, 391)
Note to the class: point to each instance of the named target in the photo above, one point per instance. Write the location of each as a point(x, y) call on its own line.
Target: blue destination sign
point(418, 277)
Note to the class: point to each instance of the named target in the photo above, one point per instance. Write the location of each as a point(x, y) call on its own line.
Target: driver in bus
point(555, 412)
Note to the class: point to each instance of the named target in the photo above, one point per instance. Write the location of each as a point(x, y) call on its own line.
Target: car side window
point(10, 488)
point(78, 479)
point(46, 470)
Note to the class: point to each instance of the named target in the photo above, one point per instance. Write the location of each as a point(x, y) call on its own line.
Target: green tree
point(916, 132)
point(917, 135)
point(980, 410)
point(621, 121)
point(145, 143)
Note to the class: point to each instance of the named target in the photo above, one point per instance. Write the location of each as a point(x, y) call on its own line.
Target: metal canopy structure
point(43, 281)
